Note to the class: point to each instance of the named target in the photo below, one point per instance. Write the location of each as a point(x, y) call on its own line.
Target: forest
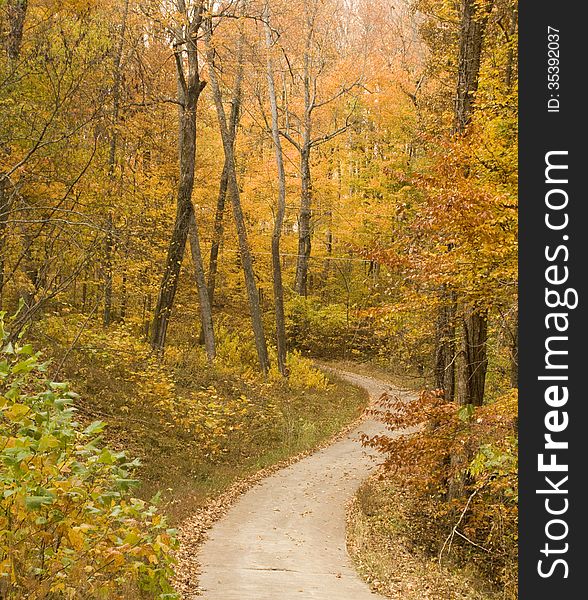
point(210, 212)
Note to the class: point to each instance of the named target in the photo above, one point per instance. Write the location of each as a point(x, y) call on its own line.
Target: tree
point(190, 87)
point(116, 91)
point(233, 188)
point(316, 62)
point(281, 203)
point(473, 359)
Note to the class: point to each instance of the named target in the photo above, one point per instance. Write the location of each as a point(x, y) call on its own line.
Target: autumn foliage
point(196, 199)
point(479, 526)
point(70, 526)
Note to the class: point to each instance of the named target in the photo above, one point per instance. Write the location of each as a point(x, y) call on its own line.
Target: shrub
point(69, 526)
point(316, 329)
point(479, 525)
point(302, 373)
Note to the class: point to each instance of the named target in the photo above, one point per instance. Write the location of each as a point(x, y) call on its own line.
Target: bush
point(478, 525)
point(69, 526)
point(316, 329)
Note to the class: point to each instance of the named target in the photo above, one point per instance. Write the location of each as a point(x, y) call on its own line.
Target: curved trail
point(285, 538)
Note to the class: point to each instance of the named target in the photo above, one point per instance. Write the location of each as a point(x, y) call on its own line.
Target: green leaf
point(36, 502)
point(95, 427)
point(466, 412)
point(48, 441)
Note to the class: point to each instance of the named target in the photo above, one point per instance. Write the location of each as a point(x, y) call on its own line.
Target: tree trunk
point(476, 337)
point(281, 206)
point(233, 189)
point(304, 223)
point(109, 246)
point(190, 87)
point(218, 229)
point(305, 215)
point(205, 308)
point(514, 353)
point(123, 298)
point(108, 268)
point(474, 19)
point(217, 235)
point(471, 38)
point(5, 204)
point(445, 345)
point(16, 11)
point(471, 360)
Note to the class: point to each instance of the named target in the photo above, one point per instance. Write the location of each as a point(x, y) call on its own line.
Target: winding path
point(285, 538)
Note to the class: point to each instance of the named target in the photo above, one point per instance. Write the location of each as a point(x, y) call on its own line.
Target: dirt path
point(285, 538)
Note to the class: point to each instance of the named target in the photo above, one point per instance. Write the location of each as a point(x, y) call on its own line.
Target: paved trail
point(285, 538)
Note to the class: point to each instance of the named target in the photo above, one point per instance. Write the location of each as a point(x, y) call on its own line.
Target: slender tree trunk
point(305, 214)
point(445, 345)
point(5, 204)
point(190, 87)
point(218, 229)
point(233, 189)
point(217, 235)
point(123, 298)
point(108, 272)
point(514, 353)
point(281, 205)
point(205, 309)
point(304, 224)
point(16, 11)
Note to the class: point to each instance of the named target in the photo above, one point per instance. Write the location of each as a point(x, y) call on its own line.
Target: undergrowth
point(70, 527)
point(196, 427)
point(462, 512)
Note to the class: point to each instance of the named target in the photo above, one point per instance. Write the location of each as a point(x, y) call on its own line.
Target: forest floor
point(119, 384)
point(383, 549)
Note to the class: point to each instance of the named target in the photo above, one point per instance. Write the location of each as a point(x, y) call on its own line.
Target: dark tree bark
point(5, 204)
point(475, 359)
point(445, 345)
point(475, 328)
point(108, 272)
point(471, 38)
point(205, 309)
point(281, 205)
point(304, 223)
point(471, 359)
point(190, 87)
point(16, 11)
point(217, 234)
point(511, 327)
point(305, 214)
point(218, 229)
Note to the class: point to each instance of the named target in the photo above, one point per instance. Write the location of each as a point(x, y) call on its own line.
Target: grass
point(196, 428)
point(381, 543)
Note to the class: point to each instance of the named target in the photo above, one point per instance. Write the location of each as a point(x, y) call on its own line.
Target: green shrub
point(69, 526)
point(316, 329)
